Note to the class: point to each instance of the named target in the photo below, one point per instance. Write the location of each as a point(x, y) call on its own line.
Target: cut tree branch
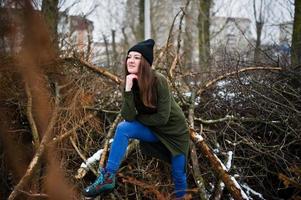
point(98, 69)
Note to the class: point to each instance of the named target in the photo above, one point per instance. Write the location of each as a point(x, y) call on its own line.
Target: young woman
point(151, 116)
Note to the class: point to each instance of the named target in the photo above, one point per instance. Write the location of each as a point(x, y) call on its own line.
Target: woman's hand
point(129, 81)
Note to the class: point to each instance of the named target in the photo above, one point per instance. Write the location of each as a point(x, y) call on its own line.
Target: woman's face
point(133, 62)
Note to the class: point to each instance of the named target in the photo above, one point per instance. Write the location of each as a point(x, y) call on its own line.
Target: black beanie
point(146, 49)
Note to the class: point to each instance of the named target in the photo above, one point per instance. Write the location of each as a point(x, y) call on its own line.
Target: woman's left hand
point(129, 81)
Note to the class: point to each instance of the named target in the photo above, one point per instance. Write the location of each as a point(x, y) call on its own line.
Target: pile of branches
point(256, 115)
point(252, 114)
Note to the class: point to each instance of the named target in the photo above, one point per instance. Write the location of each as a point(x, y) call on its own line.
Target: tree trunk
point(259, 26)
point(140, 25)
point(126, 41)
point(89, 54)
point(107, 51)
point(115, 57)
point(188, 38)
point(50, 12)
point(296, 38)
point(204, 34)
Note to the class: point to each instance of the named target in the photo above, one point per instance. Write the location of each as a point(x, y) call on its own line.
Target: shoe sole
point(100, 194)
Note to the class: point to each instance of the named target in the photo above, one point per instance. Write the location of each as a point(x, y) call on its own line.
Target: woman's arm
point(128, 109)
point(163, 107)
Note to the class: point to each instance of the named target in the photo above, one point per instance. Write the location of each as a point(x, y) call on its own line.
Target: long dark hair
point(146, 83)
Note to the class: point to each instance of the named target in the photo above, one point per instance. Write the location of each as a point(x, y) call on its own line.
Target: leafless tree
point(296, 47)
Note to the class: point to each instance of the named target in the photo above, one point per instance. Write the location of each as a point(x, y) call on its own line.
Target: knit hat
point(146, 49)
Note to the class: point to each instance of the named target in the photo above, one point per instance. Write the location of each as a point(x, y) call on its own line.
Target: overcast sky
point(108, 14)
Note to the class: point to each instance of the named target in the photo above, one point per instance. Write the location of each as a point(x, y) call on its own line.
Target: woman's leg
point(126, 130)
point(178, 164)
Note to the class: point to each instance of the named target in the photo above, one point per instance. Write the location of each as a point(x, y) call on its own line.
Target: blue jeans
point(135, 130)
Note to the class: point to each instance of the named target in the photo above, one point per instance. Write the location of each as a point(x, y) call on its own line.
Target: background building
point(75, 34)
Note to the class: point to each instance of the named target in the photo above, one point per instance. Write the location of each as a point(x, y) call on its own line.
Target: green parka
point(167, 121)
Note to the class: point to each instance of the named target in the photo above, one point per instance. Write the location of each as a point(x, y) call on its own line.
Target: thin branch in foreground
point(39, 195)
point(38, 155)
point(147, 187)
point(32, 123)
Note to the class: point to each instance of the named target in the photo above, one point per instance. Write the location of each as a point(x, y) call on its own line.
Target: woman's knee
point(124, 127)
point(133, 130)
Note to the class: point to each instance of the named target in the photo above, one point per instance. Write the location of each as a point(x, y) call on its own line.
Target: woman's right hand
point(129, 82)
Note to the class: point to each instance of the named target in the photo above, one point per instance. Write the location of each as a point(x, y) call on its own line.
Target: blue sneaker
point(104, 182)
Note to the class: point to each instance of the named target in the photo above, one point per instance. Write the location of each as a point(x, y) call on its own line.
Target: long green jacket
point(167, 121)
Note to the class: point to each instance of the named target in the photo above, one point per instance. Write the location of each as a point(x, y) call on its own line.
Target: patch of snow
point(222, 164)
point(216, 150)
point(243, 194)
point(95, 157)
point(230, 156)
point(199, 138)
point(236, 175)
point(187, 94)
point(251, 191)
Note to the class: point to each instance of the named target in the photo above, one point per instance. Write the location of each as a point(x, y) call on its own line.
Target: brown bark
point(219, 186)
